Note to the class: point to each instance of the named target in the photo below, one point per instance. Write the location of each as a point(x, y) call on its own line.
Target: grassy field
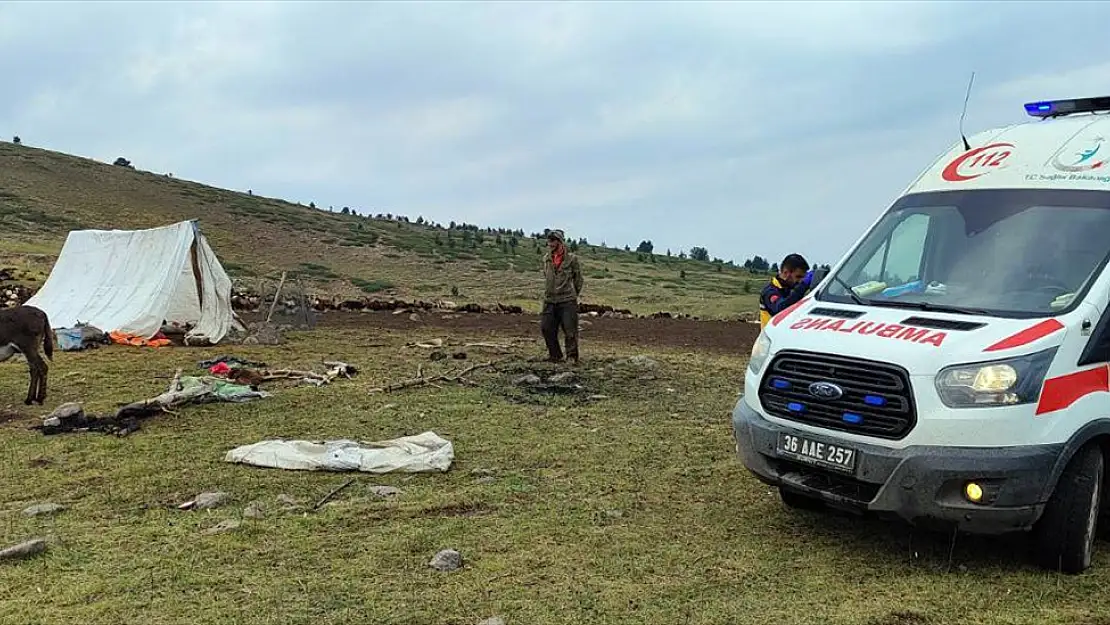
point(626, 509)
point(44, 195)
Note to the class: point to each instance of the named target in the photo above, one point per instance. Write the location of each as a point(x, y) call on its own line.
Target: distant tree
point(123, 162)
point(668, 253)
point(645, 247)
point(757, 263)
point(720, 268)
point(389, 216)
point(627, 249)
point(346, 210)
point(438, 240)
point(682, 255)
point(639, 257)
point(682, 274)
point(16, 140)
point(420, 220)
point(573, 246)
point(451, 226)
point(699, 253)
point(250, 191)
point(312, 204)
point(513, 242)
point(774, 267)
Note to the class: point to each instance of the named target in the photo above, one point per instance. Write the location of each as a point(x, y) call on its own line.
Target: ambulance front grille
point(860, 396)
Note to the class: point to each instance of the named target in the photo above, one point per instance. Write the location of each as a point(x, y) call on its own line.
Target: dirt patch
point(549, 383)
point(735, 337)
point(8, 415)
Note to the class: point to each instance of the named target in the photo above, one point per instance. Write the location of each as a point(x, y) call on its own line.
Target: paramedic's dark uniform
point(776, 297)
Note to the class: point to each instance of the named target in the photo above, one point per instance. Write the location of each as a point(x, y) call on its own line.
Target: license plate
point(816, 453)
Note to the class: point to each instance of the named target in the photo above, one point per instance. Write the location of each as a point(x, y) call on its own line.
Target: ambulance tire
point(799, 501)
point(1064, 537)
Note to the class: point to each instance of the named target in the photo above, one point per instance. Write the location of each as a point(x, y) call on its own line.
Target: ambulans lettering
point(921, 336)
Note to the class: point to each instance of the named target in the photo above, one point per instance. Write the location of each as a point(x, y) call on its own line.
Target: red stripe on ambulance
point(1027, 336)
point(1063, 391)
point(921, 336)
point(779, 318)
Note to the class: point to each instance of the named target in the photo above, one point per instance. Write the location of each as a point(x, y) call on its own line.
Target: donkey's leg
point(36, 389)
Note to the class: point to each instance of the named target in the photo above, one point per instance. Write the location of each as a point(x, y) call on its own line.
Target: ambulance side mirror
point(818, 276)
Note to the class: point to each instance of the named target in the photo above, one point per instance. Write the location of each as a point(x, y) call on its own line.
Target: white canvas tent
point(133, 280)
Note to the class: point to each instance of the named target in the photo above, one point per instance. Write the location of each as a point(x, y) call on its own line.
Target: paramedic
point(786, 288)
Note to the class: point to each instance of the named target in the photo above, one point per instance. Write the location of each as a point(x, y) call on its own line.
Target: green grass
point(631, 509)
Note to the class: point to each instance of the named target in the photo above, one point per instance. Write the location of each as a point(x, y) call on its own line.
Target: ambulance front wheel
point(1064, 537)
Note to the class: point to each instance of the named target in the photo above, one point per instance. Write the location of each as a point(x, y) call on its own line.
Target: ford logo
point(826, 390)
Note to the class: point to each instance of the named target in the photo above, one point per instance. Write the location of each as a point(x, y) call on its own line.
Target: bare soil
point(734, 337)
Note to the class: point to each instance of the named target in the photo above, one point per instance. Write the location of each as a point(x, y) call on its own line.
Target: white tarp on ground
point(132, 280)
point(409, 454)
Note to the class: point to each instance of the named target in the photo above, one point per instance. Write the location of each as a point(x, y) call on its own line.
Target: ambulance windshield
point(1010, 252)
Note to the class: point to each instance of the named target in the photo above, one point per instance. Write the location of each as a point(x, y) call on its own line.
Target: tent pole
point(273, 304)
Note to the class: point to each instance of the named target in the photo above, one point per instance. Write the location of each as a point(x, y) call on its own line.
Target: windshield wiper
point(931, 307)
point(852, 294)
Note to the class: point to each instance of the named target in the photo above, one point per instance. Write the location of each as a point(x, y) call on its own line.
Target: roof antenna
point(967, 146)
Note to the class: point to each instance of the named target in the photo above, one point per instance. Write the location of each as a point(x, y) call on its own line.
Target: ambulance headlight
point(760, 351)
point(1010, 382)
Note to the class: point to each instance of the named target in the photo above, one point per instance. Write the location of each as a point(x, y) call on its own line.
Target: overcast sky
point(746, 128)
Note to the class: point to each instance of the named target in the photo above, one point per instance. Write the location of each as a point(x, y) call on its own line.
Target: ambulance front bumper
point(923, 485)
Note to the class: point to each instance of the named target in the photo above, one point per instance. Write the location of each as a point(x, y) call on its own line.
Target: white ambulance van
point(953, 369)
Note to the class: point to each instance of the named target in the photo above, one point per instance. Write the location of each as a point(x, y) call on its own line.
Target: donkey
point(22, 330)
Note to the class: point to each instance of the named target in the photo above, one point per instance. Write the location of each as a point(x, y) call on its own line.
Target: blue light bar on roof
point(1059, 108)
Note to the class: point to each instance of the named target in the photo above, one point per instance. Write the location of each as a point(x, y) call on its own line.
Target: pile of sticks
point(422, 380)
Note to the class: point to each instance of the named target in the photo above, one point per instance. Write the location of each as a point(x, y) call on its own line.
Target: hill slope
point(45, 194)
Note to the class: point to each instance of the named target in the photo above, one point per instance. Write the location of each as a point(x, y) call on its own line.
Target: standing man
point(785, 289)
point(562, 287)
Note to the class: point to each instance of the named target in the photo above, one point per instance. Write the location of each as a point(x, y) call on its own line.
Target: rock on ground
point(44, 508)
point(642, 362)
point(287, 500)
point(254, 510)
point(446, 561)
point(207, 501)
point(385, 491)
point(493, 620)
point(562, 378)
point(527, 380)
point(24, 550)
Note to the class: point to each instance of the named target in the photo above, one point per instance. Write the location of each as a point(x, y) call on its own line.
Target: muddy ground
point(719, 336)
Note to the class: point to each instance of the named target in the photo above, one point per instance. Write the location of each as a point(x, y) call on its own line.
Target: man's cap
point(558, 234)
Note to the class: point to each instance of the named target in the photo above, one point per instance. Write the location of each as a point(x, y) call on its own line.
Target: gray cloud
point(747, 128)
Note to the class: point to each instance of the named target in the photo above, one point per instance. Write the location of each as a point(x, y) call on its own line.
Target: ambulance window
point(898, 259)
point(907, 246)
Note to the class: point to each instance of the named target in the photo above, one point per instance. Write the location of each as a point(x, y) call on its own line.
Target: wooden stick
point(460, 378)
point(333, 493)
point(175, 385)
point(273, 304)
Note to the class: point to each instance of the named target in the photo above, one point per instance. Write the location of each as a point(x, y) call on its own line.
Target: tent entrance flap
point(133, 281)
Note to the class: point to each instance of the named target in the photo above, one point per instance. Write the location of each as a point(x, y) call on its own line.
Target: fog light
point(973, 492)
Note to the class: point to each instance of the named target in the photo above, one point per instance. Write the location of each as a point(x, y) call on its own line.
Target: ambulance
point(953, 368)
